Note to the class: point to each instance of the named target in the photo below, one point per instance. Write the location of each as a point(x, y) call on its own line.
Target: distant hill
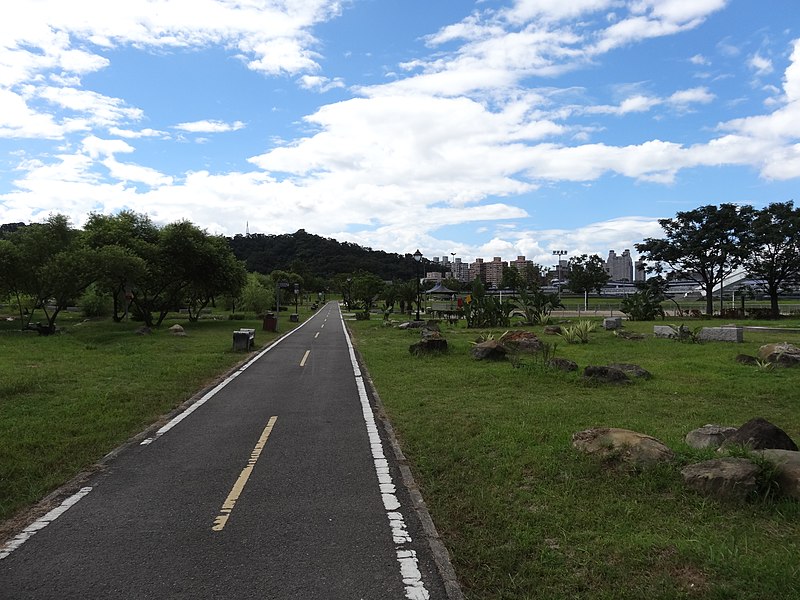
point(321, 257)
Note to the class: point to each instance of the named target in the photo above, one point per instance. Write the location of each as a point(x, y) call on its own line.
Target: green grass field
point(525, 516)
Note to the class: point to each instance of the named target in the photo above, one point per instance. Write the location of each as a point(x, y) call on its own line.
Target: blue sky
point(489, 128)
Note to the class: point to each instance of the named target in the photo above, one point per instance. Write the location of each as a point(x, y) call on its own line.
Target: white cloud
point(209, 126)
point(320, 84)
point(18, 120)
point(759, 64)
point(699, 60)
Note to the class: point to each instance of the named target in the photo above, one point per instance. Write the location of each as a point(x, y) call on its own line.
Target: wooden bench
point(244, 339)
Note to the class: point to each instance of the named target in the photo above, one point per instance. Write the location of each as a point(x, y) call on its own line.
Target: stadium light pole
point(418, 258)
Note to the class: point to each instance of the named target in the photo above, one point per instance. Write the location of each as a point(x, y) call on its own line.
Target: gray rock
point(629, 447)
point(783, 354)
point(562, 364)
point(664, 331)
point(787, 470)
point(144, 330)
point(709, 436)
point(600, 374)
point(552, 329)
point(724, 478)
point(721, 334)
point(632, 370)
point(758, 434)
point(489, 350)
point(611, 323)
point(521, 341)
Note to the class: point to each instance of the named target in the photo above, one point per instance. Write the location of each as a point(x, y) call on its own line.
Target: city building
point(620, 268)
point(477, 270)
point(494, 272)
point(639, 273)
point(459, 270)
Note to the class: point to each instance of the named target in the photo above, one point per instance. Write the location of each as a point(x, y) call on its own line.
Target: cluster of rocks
point(782, 354)
point(727, 477)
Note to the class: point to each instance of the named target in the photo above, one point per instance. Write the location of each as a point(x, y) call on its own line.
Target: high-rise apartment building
point(620, 268)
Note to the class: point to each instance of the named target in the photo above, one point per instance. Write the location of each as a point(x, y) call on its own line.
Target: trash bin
point(270, 322)
point(294, 318)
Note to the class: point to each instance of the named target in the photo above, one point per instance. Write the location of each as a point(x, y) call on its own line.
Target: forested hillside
point(305, 253)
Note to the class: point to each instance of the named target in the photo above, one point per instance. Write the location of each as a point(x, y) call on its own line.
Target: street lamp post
point(418, 258)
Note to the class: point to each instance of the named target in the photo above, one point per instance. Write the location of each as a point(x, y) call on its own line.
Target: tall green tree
point(366, 288)
point(706, 244)
point(587, 273)
point(774, 252)
point(512, 279)
point(55, 267)
point(129, 244)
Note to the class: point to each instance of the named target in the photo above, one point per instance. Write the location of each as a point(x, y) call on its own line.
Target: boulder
point(411, 325)
point(783, 354)
point(144, 330)
point(758, 434)
point(428, 332)
point(724, 478)
point(629, 447)
point(562, 364)
point(629, 335)
point(599, 374)
point(177, 330)
point(787, 470)
point(611, 323)
point(521, 341)
point(433, 345)
point(709, 436)
point(489, 350)
point(552, 329)
point(632, 370)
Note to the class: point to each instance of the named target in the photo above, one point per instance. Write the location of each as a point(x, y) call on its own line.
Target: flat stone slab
point(721, 334)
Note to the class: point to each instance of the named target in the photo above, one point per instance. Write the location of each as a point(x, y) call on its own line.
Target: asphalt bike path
point(277, 484)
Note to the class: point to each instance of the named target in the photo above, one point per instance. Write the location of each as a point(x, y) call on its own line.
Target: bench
point(244, 339)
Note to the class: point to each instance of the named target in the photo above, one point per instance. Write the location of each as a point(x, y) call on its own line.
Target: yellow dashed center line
point(238, 487)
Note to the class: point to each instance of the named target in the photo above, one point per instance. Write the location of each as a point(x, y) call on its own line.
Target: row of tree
point(146, 269)
point(710, 243)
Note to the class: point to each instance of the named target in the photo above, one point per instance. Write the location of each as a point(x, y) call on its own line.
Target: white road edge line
point(409, 566)
point(41, 523)
point(178, 418)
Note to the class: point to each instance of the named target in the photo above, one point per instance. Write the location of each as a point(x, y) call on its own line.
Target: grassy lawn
point(525, 516)
point(68, 399)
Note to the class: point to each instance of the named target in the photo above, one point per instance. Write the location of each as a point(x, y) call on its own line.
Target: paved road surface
point(274, 487)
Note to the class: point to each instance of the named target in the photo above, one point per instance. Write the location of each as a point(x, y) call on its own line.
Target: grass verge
point(524, 516)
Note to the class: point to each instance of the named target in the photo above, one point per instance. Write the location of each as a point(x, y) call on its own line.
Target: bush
point(95, 304)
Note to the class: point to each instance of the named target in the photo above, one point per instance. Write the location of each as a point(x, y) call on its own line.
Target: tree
point(774, 252)
point(587, 273)
point(129, 242)
point(220, 273)
point(512, 279)
point(258, 293)
point(55, 268)
point(707, 244)
point(365, 288)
